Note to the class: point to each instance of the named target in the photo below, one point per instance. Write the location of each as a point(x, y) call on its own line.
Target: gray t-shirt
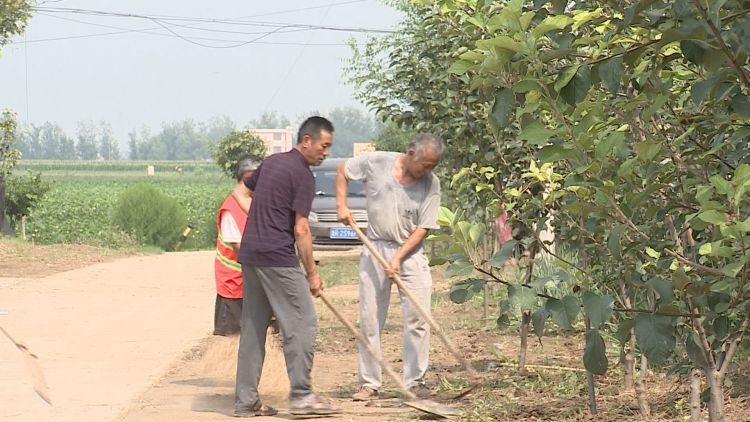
point(394, 211)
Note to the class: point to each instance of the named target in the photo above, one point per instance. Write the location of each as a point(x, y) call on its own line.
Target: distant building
point(277, 140)
point(359, 148)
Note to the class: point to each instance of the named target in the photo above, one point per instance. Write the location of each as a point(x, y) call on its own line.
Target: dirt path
point(104, 333)
point(201, 386)
point(130, 340)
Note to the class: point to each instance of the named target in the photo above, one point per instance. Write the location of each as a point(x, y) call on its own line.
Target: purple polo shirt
point(282, 186)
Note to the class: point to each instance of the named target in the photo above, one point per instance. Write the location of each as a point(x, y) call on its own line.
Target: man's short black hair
point(313, 126)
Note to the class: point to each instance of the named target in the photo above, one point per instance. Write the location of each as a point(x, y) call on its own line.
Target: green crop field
point(78, 208)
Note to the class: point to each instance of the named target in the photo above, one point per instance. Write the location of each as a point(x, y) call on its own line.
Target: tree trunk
point(486, 304)
point(640, 390)
point(716, 389)
point(590, 381)
point(630, 352)
point(4, 223)
point(630, 362)
point(525, 320)
point(695, 396)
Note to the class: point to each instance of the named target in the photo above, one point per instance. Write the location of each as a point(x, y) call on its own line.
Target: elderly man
point(403, 197)
point(283, 189)
point(230, 224)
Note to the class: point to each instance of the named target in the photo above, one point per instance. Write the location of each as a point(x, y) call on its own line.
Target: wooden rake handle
point(367, 347)
point(396, 279)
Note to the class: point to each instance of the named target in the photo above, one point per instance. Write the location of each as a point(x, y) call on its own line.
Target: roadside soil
point(129, 340)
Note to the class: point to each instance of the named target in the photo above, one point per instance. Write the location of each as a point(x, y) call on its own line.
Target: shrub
point(149, 215)
point(23, 193)
point(236, 145)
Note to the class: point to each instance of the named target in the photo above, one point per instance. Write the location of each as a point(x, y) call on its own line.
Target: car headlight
point(312, 217)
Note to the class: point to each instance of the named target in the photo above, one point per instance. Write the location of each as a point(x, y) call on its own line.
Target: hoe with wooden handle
point(33, 368)
point(396, 279)
point(427, 406)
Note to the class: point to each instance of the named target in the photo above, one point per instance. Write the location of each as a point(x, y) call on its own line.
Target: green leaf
point(459, 67)
point(741, 105)
point(445, 216)
point(652, 253)
point(538, 319)
point(610, 72)
point(526, 85)
point(460, 267)
point(551, 22)
point(680, 279)
point(564, 78)
point(509, 247)
point(623, 330)
point(598, 308)
point(462, 291)
point(578, 87)
point(713, 217)
point(733, 268)
point(460, 295)
point(522, 296)
point(536, 134)
point(701, 89)
point(502, 109)
point(663, 289)
point(503, 42)
point(564, 312)
point(552, 153)
point(614, 241)
point(606, 145)
point(595, 353)
point(476, 233)
point(655, 337)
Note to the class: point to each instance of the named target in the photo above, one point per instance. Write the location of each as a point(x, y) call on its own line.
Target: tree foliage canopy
point(624, 124)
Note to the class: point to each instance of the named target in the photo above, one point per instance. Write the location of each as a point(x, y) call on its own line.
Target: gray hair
point(426, 140)
point(247, 163)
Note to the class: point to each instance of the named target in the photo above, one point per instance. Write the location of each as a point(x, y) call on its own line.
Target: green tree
point(87, 145)
point(625, 125)
point(351, 125)
point(13, 17)
point(390, 137)
point(108, 149)
point(8, 158)
point(236, 145)
point(23, 192)
point(270, 120)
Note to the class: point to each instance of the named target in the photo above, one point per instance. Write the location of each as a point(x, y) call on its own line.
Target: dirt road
point(104, 333)
point(130, 340)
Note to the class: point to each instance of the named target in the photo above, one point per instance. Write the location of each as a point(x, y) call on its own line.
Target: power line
point(167, 18)
point(149, 31)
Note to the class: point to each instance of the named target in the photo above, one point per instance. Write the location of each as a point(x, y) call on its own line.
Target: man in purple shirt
point(283, 189)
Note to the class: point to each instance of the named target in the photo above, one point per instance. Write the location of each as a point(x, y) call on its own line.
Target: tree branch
point(719, 39)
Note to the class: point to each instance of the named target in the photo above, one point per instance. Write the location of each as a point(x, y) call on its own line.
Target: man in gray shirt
point(403, 197)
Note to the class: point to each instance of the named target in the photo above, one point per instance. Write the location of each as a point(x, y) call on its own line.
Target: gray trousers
point(374, 298)
point(284, 292)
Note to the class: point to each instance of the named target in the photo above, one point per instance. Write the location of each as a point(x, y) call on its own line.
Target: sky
point(149, 75)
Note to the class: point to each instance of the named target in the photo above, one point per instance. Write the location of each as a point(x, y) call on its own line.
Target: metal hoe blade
point(427, 406)
point(33, 368)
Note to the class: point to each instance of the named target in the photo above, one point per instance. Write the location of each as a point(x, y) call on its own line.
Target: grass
point(339, 271)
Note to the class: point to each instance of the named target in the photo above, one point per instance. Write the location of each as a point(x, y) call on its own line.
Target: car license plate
point(342, 233)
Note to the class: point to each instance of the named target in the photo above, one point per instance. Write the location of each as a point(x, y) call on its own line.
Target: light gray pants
point(374, 298)
point(284, 292)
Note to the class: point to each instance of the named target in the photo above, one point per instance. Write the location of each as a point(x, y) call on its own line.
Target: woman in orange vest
point(230, 225)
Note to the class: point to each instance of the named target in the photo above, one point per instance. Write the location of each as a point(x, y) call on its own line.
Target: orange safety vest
point(228, 271)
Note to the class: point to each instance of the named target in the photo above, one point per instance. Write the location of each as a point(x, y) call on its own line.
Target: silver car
point(327, 231)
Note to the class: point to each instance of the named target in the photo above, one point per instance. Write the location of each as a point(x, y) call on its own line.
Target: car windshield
point(325, 184)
